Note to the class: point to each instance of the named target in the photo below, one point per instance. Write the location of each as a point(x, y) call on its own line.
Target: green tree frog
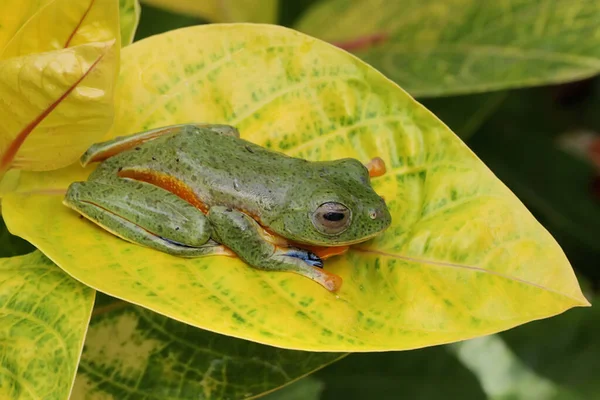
point(198, 189)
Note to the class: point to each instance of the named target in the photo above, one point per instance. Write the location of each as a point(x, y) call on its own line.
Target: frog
point(199, 189)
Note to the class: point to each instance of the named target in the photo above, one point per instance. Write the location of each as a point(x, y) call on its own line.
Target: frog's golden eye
point(331, 218)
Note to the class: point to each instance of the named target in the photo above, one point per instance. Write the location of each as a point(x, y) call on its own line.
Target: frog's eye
point(331, 218)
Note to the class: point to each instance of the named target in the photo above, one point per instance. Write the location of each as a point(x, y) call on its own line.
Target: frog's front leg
point(243, 235)
point(144, 214)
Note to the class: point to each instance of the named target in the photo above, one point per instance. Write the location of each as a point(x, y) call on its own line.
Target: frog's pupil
point(333, 216)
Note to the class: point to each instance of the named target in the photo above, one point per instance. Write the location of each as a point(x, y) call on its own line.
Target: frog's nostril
point(373, 214)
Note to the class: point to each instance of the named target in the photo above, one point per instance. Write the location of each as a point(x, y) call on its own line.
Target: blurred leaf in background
point(424, 374)
point(12, 245)
point(435, 48)
point(132, 351)
point(259, 11)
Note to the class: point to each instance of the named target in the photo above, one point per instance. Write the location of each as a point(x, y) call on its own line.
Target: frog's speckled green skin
point(234, 178)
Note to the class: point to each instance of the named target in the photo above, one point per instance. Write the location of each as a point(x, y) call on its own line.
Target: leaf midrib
point(473, 268)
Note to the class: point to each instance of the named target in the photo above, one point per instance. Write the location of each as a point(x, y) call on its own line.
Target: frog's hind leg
point(101, 151)
point(146, 215)
point(243, 235)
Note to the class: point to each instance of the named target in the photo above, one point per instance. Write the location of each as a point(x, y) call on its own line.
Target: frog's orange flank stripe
point(13, 148)
point(166, 182)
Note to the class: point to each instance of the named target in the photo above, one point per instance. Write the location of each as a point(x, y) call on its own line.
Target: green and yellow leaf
point(443, 47)
point(463, 256)
point(57, 75)
point(129, 16)
point(131, 352)
point(264, 11)
point(44, 315)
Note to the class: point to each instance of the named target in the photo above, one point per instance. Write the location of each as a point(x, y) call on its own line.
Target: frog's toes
point(308, 257)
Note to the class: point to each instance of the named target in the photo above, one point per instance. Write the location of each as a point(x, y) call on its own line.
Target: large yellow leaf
point(223, 10)
point(44, 315)
point(56, 83)
point(127, 344)
point(443, 47)
point(462, 258)
point(14, 14)
point(66, 23)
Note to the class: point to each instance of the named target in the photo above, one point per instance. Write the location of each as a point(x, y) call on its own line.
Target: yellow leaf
point(65, 23)
point(44, 315)
point(223, 10)
point(55, 104)
point(56, 83)
point(14, 14)
point(462, 258)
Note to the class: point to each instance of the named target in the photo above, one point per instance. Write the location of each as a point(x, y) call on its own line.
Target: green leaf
point(425, 374)
point(562, 350)
point(443, 47)
point(12, 245)
point(501, 373)
point(129, 18)
point(131, 352)
point(264, 11)
point(308, 388)
point(43, 319)
point(465, 114)
point(463, 256)
point(157, 20)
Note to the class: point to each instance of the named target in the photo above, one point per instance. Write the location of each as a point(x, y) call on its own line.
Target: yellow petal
point(223, 10)
point(44, 315)
point(463, 257)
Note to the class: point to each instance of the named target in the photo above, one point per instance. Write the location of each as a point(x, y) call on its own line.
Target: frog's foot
point(376, 167)
point(245, 237)
point(145, 215)
point(308, 257)
point(101, 151)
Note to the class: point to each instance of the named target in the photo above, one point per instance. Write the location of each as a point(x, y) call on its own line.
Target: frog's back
point(222, 169)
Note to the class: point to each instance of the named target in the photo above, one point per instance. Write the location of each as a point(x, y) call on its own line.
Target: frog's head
point(340, 208)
